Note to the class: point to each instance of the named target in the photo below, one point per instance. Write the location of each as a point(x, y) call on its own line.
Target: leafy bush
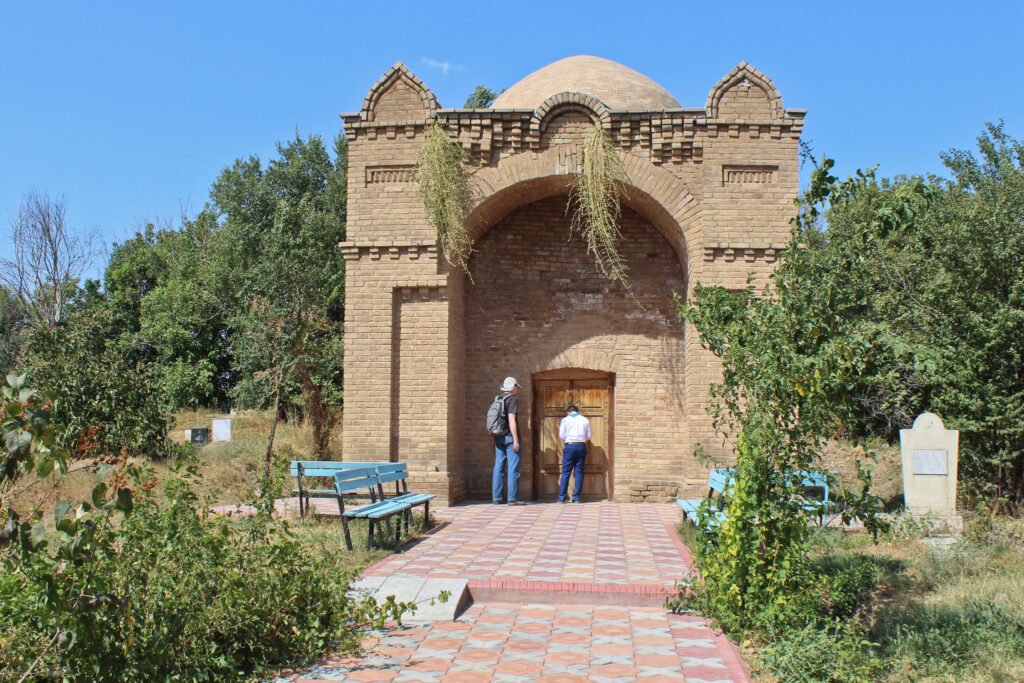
point(104, 399)
point(125, 588)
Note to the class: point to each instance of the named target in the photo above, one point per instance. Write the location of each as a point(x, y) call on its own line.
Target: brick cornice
point(388, 249)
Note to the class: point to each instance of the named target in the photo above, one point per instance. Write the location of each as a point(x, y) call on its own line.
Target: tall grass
point(908, 612)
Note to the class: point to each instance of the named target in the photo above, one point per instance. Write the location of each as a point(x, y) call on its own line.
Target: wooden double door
point(592, 392)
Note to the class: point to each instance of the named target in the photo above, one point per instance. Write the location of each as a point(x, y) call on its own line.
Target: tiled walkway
point(555, 643)
point(604, 543)
point(532, 571)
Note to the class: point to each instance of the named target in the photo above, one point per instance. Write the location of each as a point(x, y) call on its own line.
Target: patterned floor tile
point(564, 547)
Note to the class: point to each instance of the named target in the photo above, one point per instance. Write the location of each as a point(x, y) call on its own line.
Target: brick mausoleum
point(709, 200)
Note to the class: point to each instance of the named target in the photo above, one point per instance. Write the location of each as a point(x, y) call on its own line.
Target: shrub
point(105, 400)
point(131, 589)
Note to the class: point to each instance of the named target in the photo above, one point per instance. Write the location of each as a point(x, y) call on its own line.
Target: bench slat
point(327, 468)
point(396, 475)
point(414, 498)
point(379, 509)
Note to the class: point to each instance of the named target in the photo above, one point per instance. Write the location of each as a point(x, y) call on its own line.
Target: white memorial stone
point(930, 454)
point(222, 429)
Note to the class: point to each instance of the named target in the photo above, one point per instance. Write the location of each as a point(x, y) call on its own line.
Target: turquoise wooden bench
point(301, 469)
point(718, 482)
point(816, 481)
point(383, 509)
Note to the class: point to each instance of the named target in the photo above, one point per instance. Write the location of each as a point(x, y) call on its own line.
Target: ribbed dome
point(619, 87)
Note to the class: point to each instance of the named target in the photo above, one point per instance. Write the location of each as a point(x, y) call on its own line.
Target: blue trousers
point(505, 456)
point(573, 458)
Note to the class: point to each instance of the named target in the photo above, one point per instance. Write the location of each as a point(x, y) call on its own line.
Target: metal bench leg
point(369, 536)
point(387, 520)
point(348, 536)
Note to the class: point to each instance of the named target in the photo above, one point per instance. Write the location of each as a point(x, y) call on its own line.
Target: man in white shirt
point(575, 432)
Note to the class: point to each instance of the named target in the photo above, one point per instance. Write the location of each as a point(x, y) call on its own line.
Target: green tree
point(13, 329)
point(169, 307)
point(942, 292)
point(104, 399)
point(278, 246)
point(480, 98)
point(790, 356)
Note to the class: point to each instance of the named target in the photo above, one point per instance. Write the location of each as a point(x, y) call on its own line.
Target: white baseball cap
point(510, 383)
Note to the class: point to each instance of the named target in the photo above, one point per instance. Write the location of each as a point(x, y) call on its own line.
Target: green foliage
point(790, 358)
point(166, 297)
point(28, 444)
point(837, 653)
point(105, 400)
point(278, 249)
point(444, 187)
point(480, 98)
point(125, 588)
point(911, 300)
point(13, 329)
point(595, 197)
point(934, 273)
point(212, 307)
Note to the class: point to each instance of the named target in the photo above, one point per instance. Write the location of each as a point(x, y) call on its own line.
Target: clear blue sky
point(131, 109)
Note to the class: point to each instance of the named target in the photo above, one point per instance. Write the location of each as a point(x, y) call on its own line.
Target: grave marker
point(222, 429)
point(930, 454)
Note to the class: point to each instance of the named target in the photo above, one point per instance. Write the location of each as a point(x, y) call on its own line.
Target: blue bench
point(301, 469)
point(374, 478)
point(718, 481)
point(816, 480)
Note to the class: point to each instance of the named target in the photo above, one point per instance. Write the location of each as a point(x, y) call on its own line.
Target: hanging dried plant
point(444, 186)
point(595, 198)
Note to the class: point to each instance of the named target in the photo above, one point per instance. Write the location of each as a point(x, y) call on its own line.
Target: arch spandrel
point(652, 191)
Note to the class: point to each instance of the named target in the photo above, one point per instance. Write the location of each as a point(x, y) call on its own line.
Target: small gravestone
point(198, 437)
point(222, 430)
point(930, 455)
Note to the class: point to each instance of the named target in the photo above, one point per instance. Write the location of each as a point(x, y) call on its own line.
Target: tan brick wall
point(711, 193)
point(538, 293)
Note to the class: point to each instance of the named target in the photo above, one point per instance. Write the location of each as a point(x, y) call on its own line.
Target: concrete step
point(420, 590)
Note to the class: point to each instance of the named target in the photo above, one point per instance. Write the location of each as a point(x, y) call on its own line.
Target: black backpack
point(497, 416)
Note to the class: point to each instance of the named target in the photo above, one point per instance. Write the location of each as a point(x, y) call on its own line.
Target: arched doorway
point(593, 392)
point(533, 299)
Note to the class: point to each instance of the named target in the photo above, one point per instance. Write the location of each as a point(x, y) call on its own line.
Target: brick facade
point(709, 200)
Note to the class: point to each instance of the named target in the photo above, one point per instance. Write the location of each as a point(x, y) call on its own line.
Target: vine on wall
point(596, 190)
point(444, 186)
point(595, 197)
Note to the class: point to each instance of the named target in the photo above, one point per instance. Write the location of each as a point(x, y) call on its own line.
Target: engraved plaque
point(930, 462)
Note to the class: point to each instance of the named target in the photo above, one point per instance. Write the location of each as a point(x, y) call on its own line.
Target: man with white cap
point(506, 448)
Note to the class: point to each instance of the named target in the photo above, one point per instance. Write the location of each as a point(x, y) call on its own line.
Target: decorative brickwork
point(709, 198)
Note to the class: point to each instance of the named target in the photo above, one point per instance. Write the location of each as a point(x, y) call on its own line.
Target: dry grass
point(887, 476)
point(228, 472)
point(953, 614)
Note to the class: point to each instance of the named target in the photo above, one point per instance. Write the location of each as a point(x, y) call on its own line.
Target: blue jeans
point(573, 458)
point(505, 454)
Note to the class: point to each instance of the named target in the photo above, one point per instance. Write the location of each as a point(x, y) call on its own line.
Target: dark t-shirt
point(511, 404)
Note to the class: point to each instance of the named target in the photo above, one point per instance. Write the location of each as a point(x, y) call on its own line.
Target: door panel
point(592, 395)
